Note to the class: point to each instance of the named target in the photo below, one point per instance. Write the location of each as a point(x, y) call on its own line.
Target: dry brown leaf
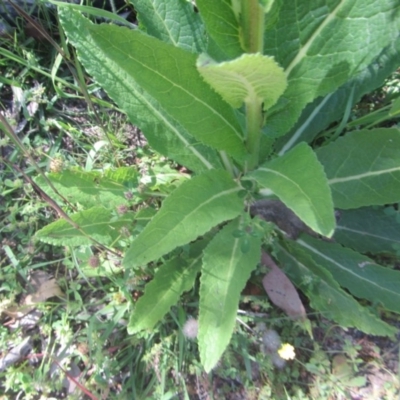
point(281, 290)
point(36, 278)
point(341, 367)
point(16, 311)
point(45, 291)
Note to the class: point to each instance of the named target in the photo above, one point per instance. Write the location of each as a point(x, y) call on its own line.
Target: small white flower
point(271, 340)
point(190, 328)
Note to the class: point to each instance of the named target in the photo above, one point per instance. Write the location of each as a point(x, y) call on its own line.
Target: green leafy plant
point(243, 93)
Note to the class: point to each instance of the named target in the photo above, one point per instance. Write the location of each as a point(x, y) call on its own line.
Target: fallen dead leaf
point(36, 278)
point(341, 366)
point(15, 311)
point(281, 290)
point(45, 291)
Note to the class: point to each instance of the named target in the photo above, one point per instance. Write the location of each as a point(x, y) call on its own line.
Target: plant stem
point(254, 119)
point(252, 23)
point(252, 26)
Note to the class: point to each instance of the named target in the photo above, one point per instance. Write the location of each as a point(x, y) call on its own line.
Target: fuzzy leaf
point(319, 114)
point(92, 188)
point(164, 133)
point(226, 268)
point(281, 290)
point(321, 44)
point(359, 274)
point(169, 75)
point(326, 295)
point(363, 168)
point(170, 281)
point(96, 223)
point(299, 181)
point(191, 210)
point(368, 230)
point(251, 78)
point(223, 28)
point(172, 21)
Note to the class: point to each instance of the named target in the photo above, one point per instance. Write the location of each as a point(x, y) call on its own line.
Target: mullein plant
point(237, 92)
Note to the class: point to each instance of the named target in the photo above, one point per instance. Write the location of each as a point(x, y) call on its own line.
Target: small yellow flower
point(287, 352)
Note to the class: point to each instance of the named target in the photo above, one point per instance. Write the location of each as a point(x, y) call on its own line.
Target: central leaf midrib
point(143, 98)
point(302, 53)
point(349, 271)
point(184, 219)
point(358, 177)
point(179, 87)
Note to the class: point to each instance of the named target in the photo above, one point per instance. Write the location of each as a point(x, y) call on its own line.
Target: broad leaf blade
point(298, 179)
point(223, 27)
point(322, 44)
point(96, 223)
point(162, 131)
point(171, 280)
point(169, 75)
point(95, 12)
point(369, 230)
point(363, 168)
point(359, 274)
point(251, 78)
point(319, 114)
point(191, 210)
point(395, 109)
point(224, 274)
point(92, 188)
point(326, 295)
point(172, 21)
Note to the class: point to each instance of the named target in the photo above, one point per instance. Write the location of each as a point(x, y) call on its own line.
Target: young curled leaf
point(249, 78)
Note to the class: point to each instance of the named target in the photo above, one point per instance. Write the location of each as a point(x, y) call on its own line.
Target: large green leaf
point(226, 268)
point(191, 210)
point(170, 281)
point(298, 179)
point(359, 274)
point(323, 43)
point(369, 230)
point(222, 27)
point(363, 168)
point(169, 74)
point(319, 114)
point(96, 223)
point(395, 109)
point(162, 131)
point(251, 78)
point(326, 295)
point(172, 21)
point(92, 188)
